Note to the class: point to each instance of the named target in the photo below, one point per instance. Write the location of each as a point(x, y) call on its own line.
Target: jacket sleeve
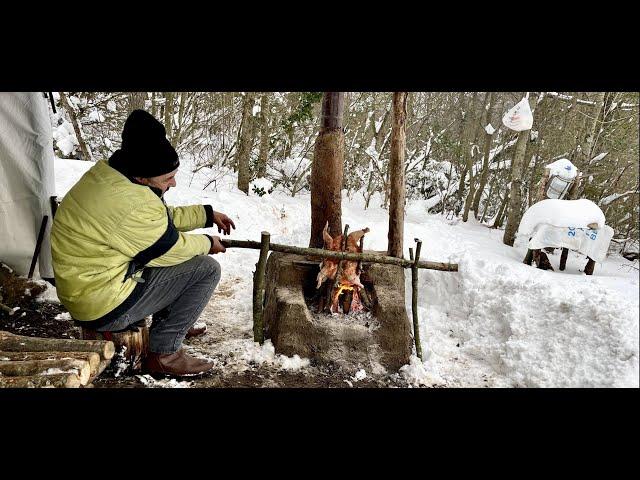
point(191, 217)
point(148, 236)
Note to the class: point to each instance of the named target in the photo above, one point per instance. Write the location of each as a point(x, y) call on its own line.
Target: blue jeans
point(175, 296)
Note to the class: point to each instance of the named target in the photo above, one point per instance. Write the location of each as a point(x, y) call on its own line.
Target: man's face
point(162, 182)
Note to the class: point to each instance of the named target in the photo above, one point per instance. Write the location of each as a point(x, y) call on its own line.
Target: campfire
point(342, 290)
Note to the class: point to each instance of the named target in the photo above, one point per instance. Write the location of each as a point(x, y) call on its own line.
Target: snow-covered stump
point(383, 341)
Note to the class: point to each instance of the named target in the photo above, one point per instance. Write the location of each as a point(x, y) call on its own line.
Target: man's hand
point(216, 246)
point(223, 222)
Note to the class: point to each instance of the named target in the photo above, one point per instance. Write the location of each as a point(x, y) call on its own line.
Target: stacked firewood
point(28, 362)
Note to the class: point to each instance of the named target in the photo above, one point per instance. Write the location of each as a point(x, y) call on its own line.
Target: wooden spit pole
point(365, 257)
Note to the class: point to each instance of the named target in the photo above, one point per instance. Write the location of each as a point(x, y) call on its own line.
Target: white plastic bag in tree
point(519, 118)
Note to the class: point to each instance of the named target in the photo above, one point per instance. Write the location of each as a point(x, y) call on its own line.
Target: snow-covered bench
point(577, 225)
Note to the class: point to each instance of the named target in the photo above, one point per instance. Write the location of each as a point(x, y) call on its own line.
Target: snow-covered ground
point(496, 322)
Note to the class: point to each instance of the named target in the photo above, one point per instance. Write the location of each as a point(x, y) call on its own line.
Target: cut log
point(18, 343)
point(92, 357)
point(134, 342)
point(58, 380)
point(46, 367)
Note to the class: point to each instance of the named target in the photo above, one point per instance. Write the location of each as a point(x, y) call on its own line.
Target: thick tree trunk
point(327, 170)
point(245, 143)
point(396, 168)
point(515, 192)
point(263, 155)
point(71, 111)
point(136, 101)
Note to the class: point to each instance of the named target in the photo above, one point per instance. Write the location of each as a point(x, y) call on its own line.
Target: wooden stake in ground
point(258, 289)
point(363, 291)
point(61, 380)
point(414, 298)
point(18, 343)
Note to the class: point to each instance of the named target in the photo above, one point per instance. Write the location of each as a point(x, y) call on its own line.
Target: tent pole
point(43, 226)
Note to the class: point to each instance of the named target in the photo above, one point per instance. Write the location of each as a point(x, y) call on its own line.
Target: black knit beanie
point(145, 151)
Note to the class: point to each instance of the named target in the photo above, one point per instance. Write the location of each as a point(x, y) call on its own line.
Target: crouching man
point(120, 254)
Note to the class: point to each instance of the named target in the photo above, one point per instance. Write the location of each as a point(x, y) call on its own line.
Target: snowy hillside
point(496, 322)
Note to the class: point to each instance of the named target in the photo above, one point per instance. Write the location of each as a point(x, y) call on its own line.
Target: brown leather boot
point(196, 331)
point(178, 363)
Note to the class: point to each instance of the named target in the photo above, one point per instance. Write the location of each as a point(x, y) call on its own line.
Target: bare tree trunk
point(263, 155)
point(497, 222)
point(168, 115)
point(471, 158)
point(327, 170)
point(245, 143)
point(84, 148)
point(154, 105)
point(515, 193)
point(396, 170)
point(590, 142)
point(177, 134)
point(488, 138)
point(463, 148)
point(136, 101)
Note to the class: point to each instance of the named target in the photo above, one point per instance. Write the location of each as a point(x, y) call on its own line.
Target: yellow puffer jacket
point(106, 229)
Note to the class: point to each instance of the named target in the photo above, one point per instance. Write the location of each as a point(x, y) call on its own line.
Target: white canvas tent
point(26, 180)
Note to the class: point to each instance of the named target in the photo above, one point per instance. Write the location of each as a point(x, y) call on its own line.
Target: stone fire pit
point(378, 340)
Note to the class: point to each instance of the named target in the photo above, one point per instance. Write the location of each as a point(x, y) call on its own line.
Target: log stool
point(134, 339)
